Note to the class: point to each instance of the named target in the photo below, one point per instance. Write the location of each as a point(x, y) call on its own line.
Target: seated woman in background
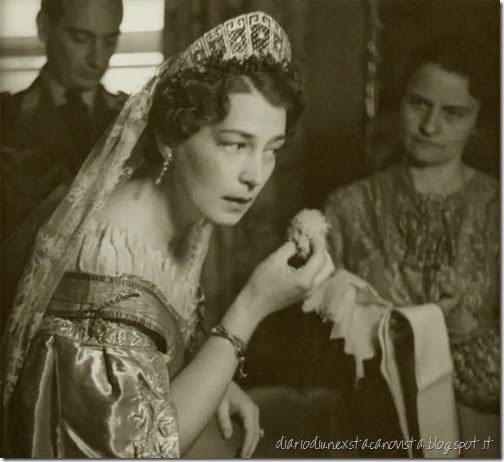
point(426, 230)
point(103, 356)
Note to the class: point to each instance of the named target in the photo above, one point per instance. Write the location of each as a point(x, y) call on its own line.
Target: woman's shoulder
point(364, 191)
point(483, 183)
point(482, 196)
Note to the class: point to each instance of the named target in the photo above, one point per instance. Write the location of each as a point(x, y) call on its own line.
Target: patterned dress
point(416, 249)
point(120, 326)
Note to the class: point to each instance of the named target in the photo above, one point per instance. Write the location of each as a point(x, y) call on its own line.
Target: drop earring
point(167, 160)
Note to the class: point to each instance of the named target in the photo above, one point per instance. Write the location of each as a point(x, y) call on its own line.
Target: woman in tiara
point(104, 354)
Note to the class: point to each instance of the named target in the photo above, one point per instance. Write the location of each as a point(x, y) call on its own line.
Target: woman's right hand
point(275, 285)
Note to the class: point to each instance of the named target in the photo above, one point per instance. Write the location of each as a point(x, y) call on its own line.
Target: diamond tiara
point(251, 34)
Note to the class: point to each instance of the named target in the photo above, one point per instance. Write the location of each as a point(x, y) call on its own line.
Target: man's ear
point(42, 26)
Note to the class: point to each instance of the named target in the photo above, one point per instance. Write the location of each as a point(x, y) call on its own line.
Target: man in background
point(48, 129)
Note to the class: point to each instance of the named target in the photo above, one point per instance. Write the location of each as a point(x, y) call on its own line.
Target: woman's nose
point(430, 123)
point(252, 171)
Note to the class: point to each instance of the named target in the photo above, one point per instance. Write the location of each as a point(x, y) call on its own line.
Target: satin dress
point(123, 321)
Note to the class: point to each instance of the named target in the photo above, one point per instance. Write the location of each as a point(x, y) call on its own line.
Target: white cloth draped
point(435, 402)
point(363, 319)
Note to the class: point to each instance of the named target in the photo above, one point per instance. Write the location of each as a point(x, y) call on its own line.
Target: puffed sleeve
point(97, 379)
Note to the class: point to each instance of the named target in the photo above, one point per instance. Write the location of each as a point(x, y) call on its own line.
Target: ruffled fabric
point(108, 250)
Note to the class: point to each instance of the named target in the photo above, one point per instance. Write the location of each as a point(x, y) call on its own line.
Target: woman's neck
point(177, 209)
point(441, 179)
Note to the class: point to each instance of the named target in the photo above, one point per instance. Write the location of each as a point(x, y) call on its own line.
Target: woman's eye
point(453, 114)
point(417, 103)
point(233, 146)
point(273, 152)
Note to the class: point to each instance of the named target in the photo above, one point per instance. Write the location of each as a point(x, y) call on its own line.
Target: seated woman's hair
point(459, 55)
point(194, 98)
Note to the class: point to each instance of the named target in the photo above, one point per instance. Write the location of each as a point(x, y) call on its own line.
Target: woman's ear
point(42, 26)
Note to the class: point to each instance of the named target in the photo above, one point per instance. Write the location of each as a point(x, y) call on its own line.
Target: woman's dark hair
point(459, 55)
point(196, 98)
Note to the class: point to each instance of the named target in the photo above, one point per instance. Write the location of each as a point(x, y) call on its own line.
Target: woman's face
point(220, 170)
point(438, 115)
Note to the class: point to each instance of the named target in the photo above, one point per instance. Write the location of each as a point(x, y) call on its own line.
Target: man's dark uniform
point(43, 144)
point(46, 134)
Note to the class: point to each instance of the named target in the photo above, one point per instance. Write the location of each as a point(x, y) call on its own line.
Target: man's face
point(80, 46)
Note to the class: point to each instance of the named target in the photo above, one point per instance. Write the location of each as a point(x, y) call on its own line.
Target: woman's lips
point(238, 200)
point(428, 143)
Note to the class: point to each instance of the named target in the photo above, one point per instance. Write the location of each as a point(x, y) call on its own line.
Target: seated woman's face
point(220, 170)
point(438, 115)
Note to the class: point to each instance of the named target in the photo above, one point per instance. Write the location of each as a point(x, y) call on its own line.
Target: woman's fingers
point(250, 418)
point(316, 261)
point(224, 417)
point(326, 270)
point(286, 252)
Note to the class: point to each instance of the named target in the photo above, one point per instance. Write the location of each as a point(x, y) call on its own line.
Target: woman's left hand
point(236, 401)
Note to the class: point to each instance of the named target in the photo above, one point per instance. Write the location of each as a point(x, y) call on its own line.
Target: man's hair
point(53, 9)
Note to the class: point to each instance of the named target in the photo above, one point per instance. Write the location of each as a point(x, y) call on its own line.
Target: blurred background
point(350, 53)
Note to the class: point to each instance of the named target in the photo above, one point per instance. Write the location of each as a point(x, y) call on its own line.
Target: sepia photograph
point(250, 229)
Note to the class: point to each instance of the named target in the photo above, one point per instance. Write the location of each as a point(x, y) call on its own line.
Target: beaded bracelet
point(238, 345)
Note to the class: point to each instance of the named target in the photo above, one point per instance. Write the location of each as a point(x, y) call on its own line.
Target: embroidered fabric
point(103, 332)
point(112, 399)
point(96, 332)
point(415, 249)
point(477, 363)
